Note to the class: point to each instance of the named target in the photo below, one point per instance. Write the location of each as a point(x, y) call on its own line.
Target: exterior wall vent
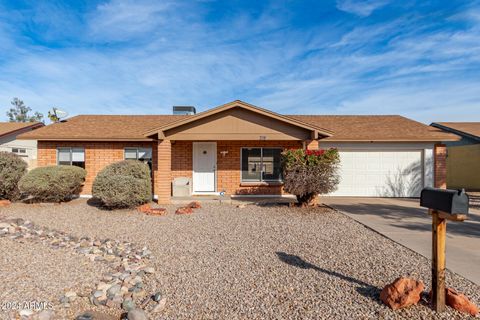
point(179, 110)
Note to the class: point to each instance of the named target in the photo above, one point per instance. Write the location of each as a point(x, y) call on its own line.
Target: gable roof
point(469, 129)
point(376, 128)
point(243, 105)
point(346, 128)
point(7, 128)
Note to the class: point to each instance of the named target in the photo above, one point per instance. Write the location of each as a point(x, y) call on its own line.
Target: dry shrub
point(53, 183)
point(124, 184)
point(12, 168)
point(308, 173)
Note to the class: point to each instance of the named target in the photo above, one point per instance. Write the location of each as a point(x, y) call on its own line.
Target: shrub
point(53, 183)
point(307, 173)
point(12, 168)
point(123, 184)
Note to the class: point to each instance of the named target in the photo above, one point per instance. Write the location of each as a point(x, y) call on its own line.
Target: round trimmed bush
point(12, 168)
point(124, 184)
point(53, 183)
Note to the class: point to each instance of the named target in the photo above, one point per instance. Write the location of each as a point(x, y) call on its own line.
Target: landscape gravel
point(256, 262)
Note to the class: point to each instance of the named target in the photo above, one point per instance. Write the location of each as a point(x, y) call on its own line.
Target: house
point(27, 149)
point(463, 161)
point(235, 149)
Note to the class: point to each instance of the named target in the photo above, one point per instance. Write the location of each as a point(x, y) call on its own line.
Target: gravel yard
point(224, 262)
point(34, 272)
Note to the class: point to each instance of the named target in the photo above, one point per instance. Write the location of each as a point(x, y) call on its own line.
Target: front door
point(204, 163)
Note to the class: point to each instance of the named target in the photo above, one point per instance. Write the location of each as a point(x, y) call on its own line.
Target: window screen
point(261, 164)
point(71, 157)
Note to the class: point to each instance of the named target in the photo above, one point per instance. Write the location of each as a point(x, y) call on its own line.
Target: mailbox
point(443, 205)
point(446, 200)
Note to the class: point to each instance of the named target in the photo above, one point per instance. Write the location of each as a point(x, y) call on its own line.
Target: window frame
point(20, 151)
point(261, 180)
point(71, 156)
point(137, 152)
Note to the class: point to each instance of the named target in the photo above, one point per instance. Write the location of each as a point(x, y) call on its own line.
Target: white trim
point(215, 166)
point(213, 193)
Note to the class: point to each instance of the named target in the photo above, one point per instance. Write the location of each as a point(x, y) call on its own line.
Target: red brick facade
point(440, 166)
point(175, 159)
point(170, 160)
point(97, 155)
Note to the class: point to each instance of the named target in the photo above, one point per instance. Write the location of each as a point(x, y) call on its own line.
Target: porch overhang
point(239, 121)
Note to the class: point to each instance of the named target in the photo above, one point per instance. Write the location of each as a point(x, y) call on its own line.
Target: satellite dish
point(57, 115)
point(60, 113)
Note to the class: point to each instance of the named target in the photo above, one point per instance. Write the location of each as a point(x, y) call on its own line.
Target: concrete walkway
point(405, 222)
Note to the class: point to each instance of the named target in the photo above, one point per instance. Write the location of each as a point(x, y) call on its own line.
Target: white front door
point(204, 163)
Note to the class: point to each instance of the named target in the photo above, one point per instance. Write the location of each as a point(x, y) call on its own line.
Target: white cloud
point(361, 8)
point(120, 20)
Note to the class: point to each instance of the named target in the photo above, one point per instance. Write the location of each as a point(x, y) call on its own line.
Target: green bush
point(12, 168)
point(308, 173)
point(53, 183)
point(124, 184)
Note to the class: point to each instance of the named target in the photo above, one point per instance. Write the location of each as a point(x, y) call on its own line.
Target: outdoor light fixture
point(224, 153)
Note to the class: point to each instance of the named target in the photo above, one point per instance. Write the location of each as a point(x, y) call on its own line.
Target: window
point(20, 151)
point(141, 154)
point(261, 164)
point(71, 157)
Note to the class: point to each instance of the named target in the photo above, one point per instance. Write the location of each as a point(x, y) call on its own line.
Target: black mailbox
point(446, 200)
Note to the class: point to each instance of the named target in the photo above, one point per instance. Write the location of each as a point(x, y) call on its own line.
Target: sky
point(420, 59)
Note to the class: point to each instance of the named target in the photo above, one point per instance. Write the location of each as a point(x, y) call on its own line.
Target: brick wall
point(440, 166)
point(97, 155)
point(228, 166)
point(170, 160)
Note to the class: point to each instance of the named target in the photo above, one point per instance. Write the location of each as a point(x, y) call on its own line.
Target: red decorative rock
point(157, 212)
point(147, 209)
point(401, 293)
point(4, 203)
point(460, 302)
point(184, 210)
point(144, 208)
point(194, 205)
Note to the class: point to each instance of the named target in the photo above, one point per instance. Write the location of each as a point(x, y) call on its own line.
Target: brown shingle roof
point(135, 127)
point(471, 128)
point(101, 127)
point(375, 128)
point(9, 127)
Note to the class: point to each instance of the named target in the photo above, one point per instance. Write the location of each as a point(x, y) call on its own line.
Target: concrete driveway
point(403, 221)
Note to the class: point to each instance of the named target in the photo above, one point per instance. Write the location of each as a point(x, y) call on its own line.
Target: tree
point(19, 112)
point(308, 173)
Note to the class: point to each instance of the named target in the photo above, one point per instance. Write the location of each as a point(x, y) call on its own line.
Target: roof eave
point(88, 139)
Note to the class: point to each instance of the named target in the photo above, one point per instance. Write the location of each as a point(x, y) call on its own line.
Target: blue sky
point(420, 59)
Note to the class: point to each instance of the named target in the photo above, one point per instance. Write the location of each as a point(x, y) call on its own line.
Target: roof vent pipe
point(184, 110)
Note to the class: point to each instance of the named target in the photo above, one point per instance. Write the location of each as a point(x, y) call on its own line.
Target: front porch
point(230, 150)
point(220, 170)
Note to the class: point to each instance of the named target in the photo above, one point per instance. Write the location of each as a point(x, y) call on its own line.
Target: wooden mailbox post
point(443, 205)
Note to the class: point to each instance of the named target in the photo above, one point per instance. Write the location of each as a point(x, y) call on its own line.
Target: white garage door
point(380, 173)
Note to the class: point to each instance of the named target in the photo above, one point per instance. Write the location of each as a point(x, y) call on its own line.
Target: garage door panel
point(380, 173)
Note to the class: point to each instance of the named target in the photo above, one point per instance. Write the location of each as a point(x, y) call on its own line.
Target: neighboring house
point(463, 161)
point(235, 148)
point(27, 149)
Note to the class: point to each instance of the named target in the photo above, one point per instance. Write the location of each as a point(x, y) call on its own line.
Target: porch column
point(440, 166)
point(311, 144)
point(163, 172)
